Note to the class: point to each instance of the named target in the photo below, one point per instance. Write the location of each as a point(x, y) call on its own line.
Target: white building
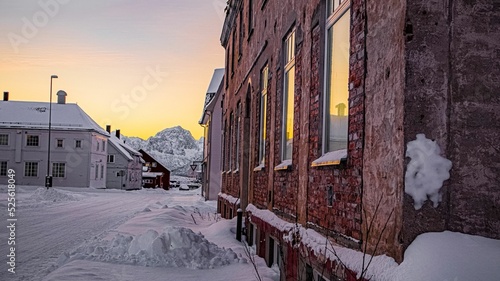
point(124, 164)
point(78, 146)
point(211, 120)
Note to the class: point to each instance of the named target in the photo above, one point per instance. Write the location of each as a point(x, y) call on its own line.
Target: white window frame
point(336, 9)
point(102, 172)
point(111, 158)
point(78, 143)
point(59, 170)
point(4, 139)
point(57, 143)
point(96, 171)
point(289, 61)
point(31, 169)
point(30, 140)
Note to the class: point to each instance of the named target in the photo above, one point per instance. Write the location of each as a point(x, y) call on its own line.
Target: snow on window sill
point(283, 166)
point(330, 158)
point(259, 168)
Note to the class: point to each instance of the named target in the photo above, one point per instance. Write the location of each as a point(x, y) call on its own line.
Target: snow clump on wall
point(426, 171)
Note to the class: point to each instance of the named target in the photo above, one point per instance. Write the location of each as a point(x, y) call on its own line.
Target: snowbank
point(174, 247)
point(426, 171)
point(51, 195)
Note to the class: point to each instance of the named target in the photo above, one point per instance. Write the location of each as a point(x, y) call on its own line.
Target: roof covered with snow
point(211, 94)
point(35, 115)
point(123, 148)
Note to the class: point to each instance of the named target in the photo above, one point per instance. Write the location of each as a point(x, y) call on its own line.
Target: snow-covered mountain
point(174, 147)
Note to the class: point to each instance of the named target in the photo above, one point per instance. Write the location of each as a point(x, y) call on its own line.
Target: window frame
point(4, 139)
point(59, 170)
point(111, 158)
point(264, 84)
point(237, 132)
point(340, 9)
point(289, 67)
point(78, 143)
point(31, 169)
point(4, 167)
point(61, 142)
point(30, 140)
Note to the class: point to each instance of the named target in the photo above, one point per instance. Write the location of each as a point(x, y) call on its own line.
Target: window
point(31, 169)
point(250, 17)
point(288, 96)
point(233, 43)
point(96, 171)
point(60, 143)
point(58, 170)
point(3, 168)
point(111, 158)
point(237, 132)
point(273, 252)
point(224, 148)
point(97, 146)
point(154, 164)
point(4, 139)
point(103, 145)
point(264, 75)
point(336, 77)
point(231, 122)
point(102, 171)
point(32, 140)
point(78, 144)
point(242, 35)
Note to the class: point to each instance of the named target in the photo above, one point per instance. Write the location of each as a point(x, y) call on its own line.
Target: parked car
point(175, 184)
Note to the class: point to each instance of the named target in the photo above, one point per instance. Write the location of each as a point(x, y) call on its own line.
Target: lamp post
point(48, 177)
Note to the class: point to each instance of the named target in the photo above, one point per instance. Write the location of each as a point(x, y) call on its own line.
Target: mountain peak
point(175, 147)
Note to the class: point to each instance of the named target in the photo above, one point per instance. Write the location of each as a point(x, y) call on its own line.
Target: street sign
point(193, 167)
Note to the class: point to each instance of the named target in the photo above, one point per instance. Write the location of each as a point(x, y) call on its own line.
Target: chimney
point(117, 133)
point(108, 129)
point(61, 97)
point(5, 96)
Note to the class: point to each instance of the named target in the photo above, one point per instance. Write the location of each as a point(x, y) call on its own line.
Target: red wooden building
point(154, 174)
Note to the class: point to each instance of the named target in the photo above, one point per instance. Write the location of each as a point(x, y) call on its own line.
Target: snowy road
point(44, 232)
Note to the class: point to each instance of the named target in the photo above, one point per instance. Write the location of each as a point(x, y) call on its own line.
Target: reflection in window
point(263, 113)
point(337, 79)
point(288, 96)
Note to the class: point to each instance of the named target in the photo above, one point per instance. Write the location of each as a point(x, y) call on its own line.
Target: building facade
point(211, 121)
point(78, 146)
point(124, 164)
point(321, 100)
point(154, 174)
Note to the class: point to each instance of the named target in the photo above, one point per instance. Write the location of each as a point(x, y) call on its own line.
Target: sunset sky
point(140, 66)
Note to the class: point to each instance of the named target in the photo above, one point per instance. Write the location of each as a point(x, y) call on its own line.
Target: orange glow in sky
point(140, 66)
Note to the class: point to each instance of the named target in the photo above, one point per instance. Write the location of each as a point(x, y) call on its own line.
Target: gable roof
point(35, 115)
point(143, 152)
point(212, 90)
point(123, 148)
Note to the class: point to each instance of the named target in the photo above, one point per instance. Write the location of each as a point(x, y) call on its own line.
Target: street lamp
point(48, 177)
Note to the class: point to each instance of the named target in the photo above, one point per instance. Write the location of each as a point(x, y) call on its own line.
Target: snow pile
point(51, 195)
point(426, 171)
point(449, 256)
point(174, 247)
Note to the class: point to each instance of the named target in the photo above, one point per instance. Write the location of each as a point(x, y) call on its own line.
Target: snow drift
point(174, 247)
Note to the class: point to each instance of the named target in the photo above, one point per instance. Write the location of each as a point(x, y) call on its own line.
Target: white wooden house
point(124, 164)
point(78, 146)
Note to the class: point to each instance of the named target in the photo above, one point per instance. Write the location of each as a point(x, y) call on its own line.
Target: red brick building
point(321, 99)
